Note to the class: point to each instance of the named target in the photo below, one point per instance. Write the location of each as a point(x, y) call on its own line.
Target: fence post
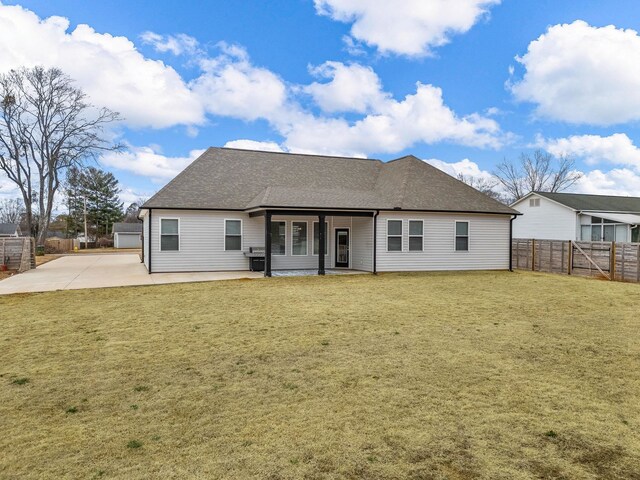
point(612, 268)
point(622, 263)
point(570, 259)
point(533, 254)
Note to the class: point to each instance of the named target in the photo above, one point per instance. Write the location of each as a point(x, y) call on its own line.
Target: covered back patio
point(322, 241)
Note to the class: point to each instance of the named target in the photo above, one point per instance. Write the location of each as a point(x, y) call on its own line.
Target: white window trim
point(468, 235)
point(394, 236)
point(410, 236)
point(306, 254)
point(160, 234)
point(313, 238)
point(224, 238)
point(285, 239)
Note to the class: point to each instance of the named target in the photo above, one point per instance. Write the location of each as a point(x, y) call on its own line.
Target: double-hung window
point(298, 238)
point(462, 236)
point(278, 238)
point(316, 238)
point(416, 235)
point(169, 234)
point(232, 235)
point(394, 235)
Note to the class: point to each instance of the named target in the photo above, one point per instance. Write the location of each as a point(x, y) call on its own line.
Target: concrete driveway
point(97, 271)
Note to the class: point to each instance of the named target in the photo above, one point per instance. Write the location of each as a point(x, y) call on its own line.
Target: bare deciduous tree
point(11, 210)
point(46, 126)
point(538, 172)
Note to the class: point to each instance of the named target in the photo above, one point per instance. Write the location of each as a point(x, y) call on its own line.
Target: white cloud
point(129, 195)
point(464, 167)
point(392, 127)
point(176, 44)
point(109, 69)
point(353, 88)
point(616, 149)
point(148, 162)
point(583, 74)
point(231, 86)
point(244, 144)
point(405, 27)
point(619, 181)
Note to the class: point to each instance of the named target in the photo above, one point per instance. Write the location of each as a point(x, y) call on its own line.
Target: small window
point(585, 233)
point(534, 202)
point(278, 238)
point(416, 235)
point(462, 236)
point(316, 238)
point(596, 220)
point(169, 234)
point(298, 238)
point(394, 235)
point(232, 235)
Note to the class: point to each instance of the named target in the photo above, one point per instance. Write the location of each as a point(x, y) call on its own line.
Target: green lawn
point(418, 376)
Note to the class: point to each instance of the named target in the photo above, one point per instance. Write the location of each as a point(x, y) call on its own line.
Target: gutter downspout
point(375, 241)
point(513, 217)
point(150, 228)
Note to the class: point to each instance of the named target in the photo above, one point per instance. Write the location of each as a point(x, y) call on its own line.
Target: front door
point(342, 247)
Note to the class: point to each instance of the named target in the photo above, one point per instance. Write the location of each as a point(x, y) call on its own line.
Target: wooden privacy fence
point(18, 253)
point(607, 260)
point(60, 245)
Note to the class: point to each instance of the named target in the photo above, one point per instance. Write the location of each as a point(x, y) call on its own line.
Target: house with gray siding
point(578, 217)
point(239, 209)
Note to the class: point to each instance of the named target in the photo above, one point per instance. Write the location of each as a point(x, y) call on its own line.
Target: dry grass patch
point(419, 376)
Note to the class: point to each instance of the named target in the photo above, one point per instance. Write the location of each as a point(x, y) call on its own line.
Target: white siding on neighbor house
point(126, 240)
point(489, 247)
point(549, 221)
point(145, 239)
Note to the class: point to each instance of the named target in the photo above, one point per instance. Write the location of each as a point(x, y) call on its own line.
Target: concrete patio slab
point(102, 270)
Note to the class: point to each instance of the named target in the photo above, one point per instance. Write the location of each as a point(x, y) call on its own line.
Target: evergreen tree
point(104, 208)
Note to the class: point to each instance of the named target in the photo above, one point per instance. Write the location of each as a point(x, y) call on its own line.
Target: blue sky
point(462, 83)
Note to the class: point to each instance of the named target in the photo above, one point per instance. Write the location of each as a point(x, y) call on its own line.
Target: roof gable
point(232, 179)
point(8, 228)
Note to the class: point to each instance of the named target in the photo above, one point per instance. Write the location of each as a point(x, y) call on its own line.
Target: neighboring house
point(402, 215)
point(9, 230)
point(573, 216)
point(127, 235)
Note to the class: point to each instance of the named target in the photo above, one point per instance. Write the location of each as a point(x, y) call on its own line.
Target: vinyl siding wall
point(488, 243)
point(145, 239)
point(362, 244)
point(202, 242)
point(549, 221)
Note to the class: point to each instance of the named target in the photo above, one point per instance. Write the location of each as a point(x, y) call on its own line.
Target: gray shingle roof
point(127, 227)
point(599, 203)
point(8, 228)
point(224, 178)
